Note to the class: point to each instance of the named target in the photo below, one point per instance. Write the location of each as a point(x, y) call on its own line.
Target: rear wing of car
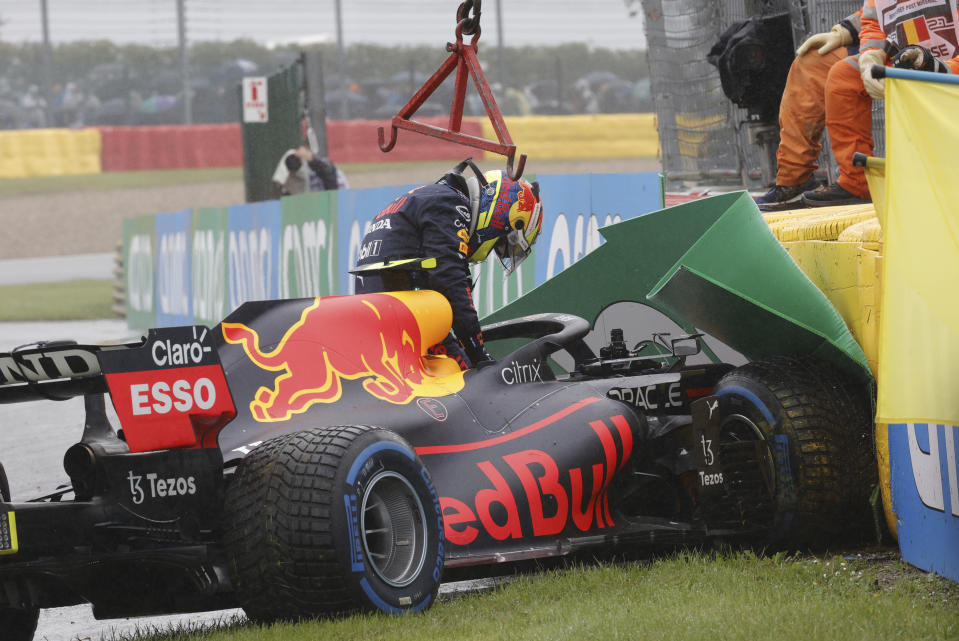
point(168, 390)
point(50, 370)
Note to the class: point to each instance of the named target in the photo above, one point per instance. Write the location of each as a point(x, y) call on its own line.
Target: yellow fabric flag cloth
point(919, 330)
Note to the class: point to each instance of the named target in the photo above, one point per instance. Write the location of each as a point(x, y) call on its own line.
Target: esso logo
point(182, 396)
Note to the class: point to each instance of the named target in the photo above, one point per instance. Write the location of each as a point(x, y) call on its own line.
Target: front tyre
point(330, 521)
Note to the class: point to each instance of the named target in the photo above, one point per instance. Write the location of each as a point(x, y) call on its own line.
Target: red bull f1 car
point(308, 457)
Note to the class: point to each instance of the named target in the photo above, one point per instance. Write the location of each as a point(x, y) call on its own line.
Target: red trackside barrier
point(171, 147)
point(194, 146)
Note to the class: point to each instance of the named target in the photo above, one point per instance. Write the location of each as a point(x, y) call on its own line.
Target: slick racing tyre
point(16, 624)
point(331, 521)
point(818, 430)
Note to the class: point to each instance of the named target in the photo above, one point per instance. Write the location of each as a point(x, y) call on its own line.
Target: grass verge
point(70, 300)
point(688, 595)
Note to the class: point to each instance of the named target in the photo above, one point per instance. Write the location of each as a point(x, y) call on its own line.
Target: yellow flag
point(919, 330)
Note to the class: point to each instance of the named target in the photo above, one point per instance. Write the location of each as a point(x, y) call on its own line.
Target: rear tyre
point(817, 426)
point(16, 624)
point(332, 521)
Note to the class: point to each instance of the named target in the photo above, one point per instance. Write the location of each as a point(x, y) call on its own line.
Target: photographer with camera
point(300, 170)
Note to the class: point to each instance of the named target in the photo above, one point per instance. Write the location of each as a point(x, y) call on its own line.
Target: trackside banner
point(208, 259)
point(919, 332)
point(195, 266)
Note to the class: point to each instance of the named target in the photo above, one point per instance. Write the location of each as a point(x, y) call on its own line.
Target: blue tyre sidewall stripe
point(377, 447)
point(382, 605)
point(784, 467)
point(365, 455)
point(752, 398)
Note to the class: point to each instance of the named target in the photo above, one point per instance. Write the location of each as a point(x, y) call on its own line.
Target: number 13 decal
point(707, 450)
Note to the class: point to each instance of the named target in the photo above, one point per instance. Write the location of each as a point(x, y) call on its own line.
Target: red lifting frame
point(463, 59)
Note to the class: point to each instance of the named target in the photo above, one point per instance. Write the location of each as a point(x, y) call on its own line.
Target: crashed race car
point(308, 457)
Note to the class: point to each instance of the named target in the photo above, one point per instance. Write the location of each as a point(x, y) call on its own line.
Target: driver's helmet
point(509, 219)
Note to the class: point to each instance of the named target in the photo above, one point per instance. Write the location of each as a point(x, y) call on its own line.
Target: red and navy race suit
point(431, 221)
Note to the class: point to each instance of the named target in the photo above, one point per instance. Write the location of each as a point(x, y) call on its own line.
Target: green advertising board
point(308, 255)
point(209, 264)
point(139, 248)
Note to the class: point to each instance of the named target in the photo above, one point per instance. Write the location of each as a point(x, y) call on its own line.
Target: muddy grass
point(891, 573)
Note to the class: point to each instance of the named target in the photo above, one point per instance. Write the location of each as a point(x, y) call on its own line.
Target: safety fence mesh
point(703, 135)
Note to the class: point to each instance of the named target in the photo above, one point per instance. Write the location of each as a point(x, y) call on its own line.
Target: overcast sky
point(600, 23)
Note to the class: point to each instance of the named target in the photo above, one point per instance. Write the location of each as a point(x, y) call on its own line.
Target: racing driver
point(457, 220)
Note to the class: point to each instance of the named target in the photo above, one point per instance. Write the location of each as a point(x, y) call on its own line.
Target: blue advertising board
point(172, 269)
point(924, 479)
point(254, 251)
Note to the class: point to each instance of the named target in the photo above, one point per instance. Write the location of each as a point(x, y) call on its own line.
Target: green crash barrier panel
point(710, 265)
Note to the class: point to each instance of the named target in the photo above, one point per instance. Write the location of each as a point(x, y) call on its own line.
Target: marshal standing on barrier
point(455, 221)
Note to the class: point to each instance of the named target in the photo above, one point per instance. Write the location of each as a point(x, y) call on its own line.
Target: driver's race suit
point(431, 221)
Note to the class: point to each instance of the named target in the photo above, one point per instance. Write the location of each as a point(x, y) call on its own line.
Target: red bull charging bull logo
point(380, 338)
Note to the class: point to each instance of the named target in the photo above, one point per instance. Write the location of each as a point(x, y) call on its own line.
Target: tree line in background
point(102, 83)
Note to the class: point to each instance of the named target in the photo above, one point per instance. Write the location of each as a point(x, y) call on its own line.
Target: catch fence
point(705, 137)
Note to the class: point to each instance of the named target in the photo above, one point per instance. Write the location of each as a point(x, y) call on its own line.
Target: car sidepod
point(539, 480)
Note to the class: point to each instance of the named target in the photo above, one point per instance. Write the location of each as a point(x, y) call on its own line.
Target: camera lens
point(293, 162)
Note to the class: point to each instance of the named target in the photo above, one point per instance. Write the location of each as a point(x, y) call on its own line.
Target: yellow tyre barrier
point(49, 152)
point(582, 136)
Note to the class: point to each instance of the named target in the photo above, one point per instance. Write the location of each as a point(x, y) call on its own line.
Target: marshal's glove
point(867, 60)
point(826, 42)
point(916, 57)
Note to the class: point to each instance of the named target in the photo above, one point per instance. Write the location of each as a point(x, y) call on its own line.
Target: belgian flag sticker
point(914, 31)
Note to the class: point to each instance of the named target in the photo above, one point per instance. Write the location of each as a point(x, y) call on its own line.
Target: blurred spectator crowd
point(110, 95)
point(114, 93)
